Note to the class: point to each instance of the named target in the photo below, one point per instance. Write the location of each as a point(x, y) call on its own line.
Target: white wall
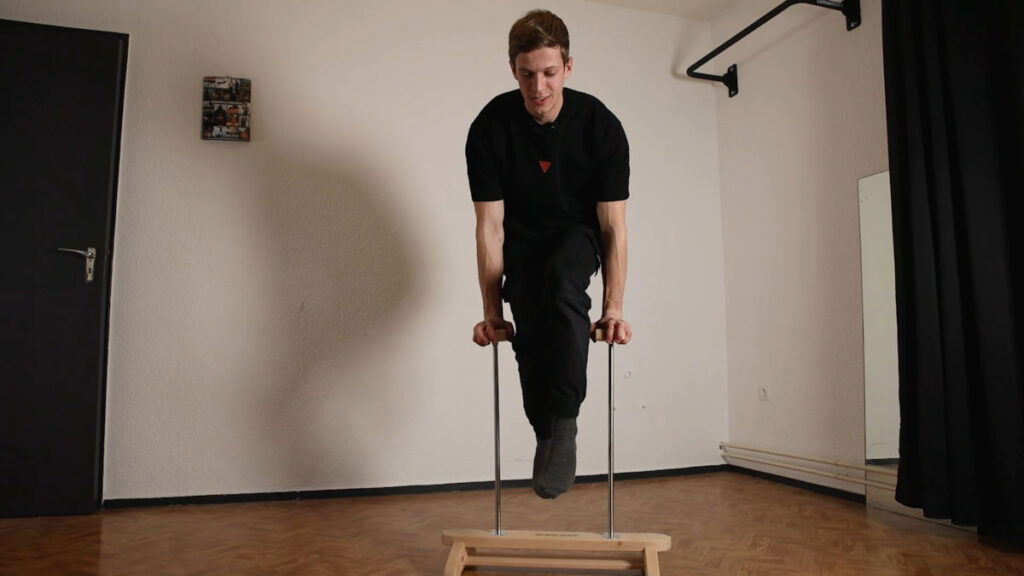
point(808, 123)
point(294, 313)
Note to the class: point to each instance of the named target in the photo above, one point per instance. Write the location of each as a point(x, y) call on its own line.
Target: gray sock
point(540, 460)
point(560, 472)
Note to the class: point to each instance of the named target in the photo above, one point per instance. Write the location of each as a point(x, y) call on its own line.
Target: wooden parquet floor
point(720, 523)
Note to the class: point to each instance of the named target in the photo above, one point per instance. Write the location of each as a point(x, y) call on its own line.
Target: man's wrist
point(612, 312)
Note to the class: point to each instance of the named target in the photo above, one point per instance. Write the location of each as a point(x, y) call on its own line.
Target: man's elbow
point(489, 232)
point(613, 231)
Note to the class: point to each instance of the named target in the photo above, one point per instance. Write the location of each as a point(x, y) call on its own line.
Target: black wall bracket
point(849, 8)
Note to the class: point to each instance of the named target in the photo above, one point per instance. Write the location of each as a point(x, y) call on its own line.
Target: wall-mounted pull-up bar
point(849, 8)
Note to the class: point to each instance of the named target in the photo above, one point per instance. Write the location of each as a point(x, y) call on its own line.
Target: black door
point(61, 94)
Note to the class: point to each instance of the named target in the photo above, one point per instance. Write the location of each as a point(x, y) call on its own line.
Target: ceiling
point(705, 10)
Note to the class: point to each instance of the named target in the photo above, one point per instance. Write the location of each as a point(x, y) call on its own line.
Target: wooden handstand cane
point(558, 551)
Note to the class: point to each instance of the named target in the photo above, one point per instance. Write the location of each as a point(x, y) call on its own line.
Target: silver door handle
point(90, 260)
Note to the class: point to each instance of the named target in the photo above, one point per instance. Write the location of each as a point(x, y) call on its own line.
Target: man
point(549, 176)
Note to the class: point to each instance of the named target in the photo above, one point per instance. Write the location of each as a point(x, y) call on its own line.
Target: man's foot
point(540, 461)
point(560, 471)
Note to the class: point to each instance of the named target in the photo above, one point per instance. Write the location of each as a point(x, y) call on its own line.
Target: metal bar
point(692, 70)
point(834, 475)
point(611, 440)
point(497, 448)
point(850, 8)
point(837, 463)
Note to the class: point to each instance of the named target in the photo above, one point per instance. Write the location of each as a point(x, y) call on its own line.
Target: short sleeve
point(482, 163)
point(613, 152)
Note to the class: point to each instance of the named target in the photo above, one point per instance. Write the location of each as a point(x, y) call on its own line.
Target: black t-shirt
point(550, 176)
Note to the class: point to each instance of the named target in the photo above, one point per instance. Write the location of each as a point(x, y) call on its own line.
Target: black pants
point(546, 289)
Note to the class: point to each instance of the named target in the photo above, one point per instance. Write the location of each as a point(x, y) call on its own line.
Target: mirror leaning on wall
point(881, 361)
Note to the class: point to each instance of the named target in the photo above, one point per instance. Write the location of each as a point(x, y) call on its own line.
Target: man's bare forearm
point(614, 245)
point(490, 265)
point(490, 238)
point(612, 220)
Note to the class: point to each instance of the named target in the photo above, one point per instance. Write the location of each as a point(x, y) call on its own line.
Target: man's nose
point(537, 83)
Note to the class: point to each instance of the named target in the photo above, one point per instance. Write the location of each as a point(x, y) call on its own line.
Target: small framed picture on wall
point(227, 108)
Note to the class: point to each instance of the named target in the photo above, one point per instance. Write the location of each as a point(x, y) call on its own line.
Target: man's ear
point(568, 67)
point(512, 64)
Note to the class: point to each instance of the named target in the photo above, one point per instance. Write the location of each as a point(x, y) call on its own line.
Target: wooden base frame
point(558, 551)
point(554, 551)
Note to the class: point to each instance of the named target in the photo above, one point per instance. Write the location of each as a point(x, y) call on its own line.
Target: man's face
point(541, 75)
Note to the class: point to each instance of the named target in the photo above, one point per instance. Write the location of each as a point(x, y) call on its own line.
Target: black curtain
point(955, 108)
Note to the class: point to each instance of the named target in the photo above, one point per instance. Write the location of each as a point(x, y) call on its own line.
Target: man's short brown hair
point(538, 29)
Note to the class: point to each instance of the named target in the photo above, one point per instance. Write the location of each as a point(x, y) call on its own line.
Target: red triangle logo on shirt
point(544, 165)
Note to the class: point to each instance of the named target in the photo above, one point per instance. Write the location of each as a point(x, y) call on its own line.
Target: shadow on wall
point(342, 275)
point(689, 48)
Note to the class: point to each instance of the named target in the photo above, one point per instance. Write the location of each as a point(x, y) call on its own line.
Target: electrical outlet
point(763, 394)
